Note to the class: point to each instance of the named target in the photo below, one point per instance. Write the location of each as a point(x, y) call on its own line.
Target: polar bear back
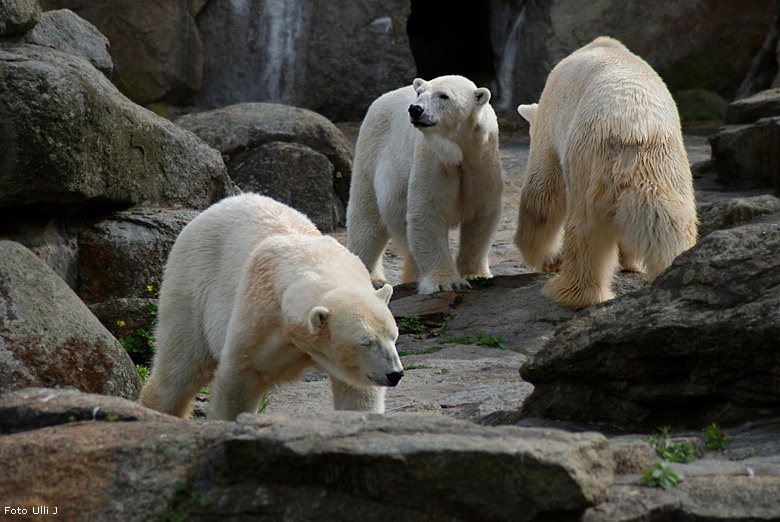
point(608, 93)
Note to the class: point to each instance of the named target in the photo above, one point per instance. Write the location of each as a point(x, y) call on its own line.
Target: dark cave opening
point(452, 37)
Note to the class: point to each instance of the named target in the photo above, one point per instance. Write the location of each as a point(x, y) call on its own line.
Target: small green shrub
point(143, 372)
point(480, 339)
point(715, 439)
point(410, 325)
point(432, 349)
point(660, 475)
point(416, 367)
point(672, 451)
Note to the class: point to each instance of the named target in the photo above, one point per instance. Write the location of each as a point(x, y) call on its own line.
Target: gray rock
point(70, 138)
point(65, 31)
point(751, 109)
point(727, 213)
point(237, 130)
point(342, 466)
point(699, 345)
point(745, 156)
point(18, 16)
point(714, 53)
point(304, 54)
point(293, 174)
point(156, 47)
point(48, 337)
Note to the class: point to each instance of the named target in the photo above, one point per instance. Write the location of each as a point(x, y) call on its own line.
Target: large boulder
point(155, 45)
point(691, 44)
point(48, 337)
point(341, 466)
point(745, 156)
point(70, 138)
point(18, 16)
point(697, 346)
point(293, 155)
point(64, 31)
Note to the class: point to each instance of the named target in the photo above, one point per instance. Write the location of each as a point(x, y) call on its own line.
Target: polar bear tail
point(655, 218)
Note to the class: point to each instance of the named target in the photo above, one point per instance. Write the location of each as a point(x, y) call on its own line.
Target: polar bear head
point(355, 336)
point(444, 108)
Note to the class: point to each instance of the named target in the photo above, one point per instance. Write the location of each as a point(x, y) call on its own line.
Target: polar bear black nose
point(415, 111)
point(393, 378)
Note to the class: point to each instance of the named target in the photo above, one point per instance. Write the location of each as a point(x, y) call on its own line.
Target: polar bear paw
point(430, 285)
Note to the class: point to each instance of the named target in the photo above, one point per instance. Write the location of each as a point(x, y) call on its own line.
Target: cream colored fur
point(415, 184)
point(251, 296)
point(607, 166)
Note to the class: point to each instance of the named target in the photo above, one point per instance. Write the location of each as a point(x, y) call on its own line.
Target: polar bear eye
point(367, 342)
point(444, 96)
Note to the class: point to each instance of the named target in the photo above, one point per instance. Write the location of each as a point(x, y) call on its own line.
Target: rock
point(156, 47)
point(293, 174)
point(70, 138)
point(65, 31)
point(298, 53)
point(763, 72)
point(237, 131)
point(713, 53)
point(745, 156)
point(18, 16)
point(697, 346)
point(731, 212)
point(751, 109)
point(699, 105)
point(48, 337)
point(345, 466)
point(126, 252)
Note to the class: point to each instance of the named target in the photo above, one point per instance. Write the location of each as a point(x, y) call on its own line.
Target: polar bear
point(606, 166)
point(252, 295)
point(427, 161)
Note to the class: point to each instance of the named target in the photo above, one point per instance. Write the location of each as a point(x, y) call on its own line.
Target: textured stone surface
point(352, 466)
point(155, 45)
point(240, 133)
point(64, 31)
point(18, 16)
point(745, 156)
point(731, 212)
point(699, 345)
point(48, 337)
point(763, 104)
point(82, 142)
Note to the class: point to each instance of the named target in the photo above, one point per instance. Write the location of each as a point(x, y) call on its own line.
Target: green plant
point(481, 339)
point(672, 451)
point(432, 349)
point(264, 402)
point(140, 343)
point(715, 439)
point(445, 371)
point(187, 501)
point(416, 367)
point(746, 455)
point(143, 372)
point(660, 475)
point(410, 325)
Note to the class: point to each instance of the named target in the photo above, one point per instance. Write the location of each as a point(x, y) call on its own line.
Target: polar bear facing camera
point(427, 161)
point(251, 296)
point(606, 167)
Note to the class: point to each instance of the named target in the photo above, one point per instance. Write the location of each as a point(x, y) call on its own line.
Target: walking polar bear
point(252, 295)
point(427, 161)
point(607, 166)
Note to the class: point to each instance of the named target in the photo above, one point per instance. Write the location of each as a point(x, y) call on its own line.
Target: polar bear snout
point(419, 117)
point(394, 378)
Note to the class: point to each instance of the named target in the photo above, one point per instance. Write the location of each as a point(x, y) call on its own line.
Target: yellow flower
point(150, 288)
point(120, 323)
point(149, 341)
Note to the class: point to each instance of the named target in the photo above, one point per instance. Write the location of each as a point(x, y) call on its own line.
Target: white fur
point(415, 184)
point(607, 165)
point(251, 296)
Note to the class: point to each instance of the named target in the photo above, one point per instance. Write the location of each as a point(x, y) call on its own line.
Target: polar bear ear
point(419, 85)
point(318, 319)
point(482, 95)
point(528, 112)
point(386, 292)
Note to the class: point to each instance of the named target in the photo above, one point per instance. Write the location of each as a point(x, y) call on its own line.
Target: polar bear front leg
point(476, 238)
point(346, 397)
point(234, 391)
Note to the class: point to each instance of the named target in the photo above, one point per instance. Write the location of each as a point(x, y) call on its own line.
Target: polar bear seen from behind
point(251, 296)
point(607, 166)
point(427, 161)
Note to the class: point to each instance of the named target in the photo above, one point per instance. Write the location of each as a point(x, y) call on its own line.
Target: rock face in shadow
point(699, 345)
point(48, 337)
